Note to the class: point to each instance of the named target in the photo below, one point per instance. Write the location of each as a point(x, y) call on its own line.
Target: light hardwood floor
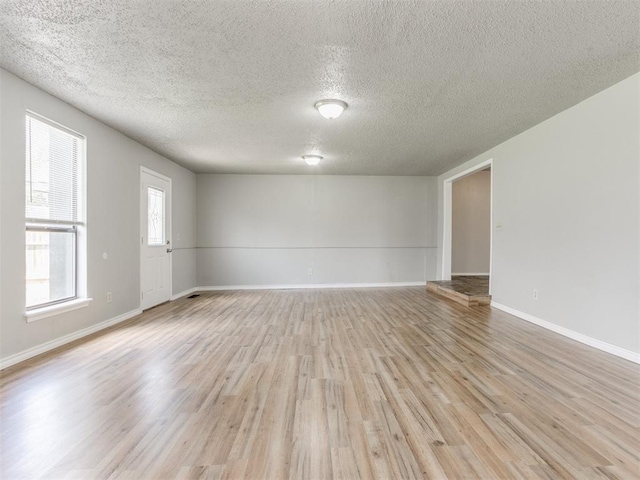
point(357, 383)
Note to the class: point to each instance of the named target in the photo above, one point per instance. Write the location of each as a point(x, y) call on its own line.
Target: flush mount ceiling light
point(330, 108)
point(312, 159)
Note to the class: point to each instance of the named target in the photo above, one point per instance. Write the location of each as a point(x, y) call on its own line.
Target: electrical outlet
point(310, 271)
point(535, 294)
point(109, 297)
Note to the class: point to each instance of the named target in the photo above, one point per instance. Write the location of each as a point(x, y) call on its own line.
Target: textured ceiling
point(230, 86)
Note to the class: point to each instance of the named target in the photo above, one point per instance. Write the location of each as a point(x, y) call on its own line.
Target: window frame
point(79, 298)
point(34, 226)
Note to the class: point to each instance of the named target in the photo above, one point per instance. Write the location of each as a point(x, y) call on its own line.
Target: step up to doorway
point(470, 291)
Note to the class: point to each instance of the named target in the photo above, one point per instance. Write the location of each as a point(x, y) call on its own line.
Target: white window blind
point(52, 177)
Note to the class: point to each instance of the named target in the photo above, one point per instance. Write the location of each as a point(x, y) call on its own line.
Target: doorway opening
point(467, 230)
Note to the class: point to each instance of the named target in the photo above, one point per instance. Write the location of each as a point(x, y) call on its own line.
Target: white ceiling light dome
point(331, 108)
point(312, 159)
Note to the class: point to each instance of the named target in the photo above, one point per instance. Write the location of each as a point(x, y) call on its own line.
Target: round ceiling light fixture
point(331, 108)
point(312, 159)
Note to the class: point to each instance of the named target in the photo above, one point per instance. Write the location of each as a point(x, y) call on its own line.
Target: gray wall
point(566, 195)
point(471, 224)
point(113, 172)
point(270, 229)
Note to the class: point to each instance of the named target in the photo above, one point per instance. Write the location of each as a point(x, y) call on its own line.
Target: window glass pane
point(155, 213)
point(50, 266)
point(51, 172)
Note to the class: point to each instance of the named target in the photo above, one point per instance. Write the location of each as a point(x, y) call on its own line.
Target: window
point(54, 215)
point(155, 216)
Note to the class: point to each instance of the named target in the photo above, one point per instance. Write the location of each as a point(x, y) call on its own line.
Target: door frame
point(448, 214)
point(168, 226)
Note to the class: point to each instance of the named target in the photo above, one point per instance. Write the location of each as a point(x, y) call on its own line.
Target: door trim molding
point(148, 171)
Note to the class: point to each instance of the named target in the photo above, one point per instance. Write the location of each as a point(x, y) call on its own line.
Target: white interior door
point(155, 238)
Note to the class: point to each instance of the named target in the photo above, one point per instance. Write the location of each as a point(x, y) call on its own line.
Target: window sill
point(50, 311)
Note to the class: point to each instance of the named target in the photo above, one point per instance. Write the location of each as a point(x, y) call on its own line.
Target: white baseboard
point(45, 347)
point(311, 285)
point(184, 293)
point(579, 337)
point(469, 274)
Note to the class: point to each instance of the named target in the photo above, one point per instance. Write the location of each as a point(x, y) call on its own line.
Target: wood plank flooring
point(467, 290)
point(472, 285)
point(320, 384)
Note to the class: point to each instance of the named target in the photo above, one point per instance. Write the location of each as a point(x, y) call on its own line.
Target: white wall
point(566, 195)
point(113, 172)
point(270, 229)
point(470, 226)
